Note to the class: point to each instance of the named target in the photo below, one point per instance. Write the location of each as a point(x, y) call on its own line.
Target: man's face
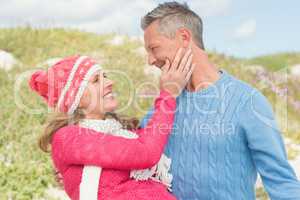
point(158, 46)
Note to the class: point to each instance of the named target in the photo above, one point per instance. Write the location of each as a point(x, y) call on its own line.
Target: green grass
point(28, 171)
point(277, 61)
point(24, 170)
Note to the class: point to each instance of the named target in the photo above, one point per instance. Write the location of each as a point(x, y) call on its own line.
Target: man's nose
point(151, 59)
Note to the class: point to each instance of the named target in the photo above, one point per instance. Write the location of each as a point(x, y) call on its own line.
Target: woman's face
point(98, 98)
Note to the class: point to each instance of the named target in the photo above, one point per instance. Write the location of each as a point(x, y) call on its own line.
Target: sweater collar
point(224, 76)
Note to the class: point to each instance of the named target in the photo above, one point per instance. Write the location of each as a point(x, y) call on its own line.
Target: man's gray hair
point(172, 16)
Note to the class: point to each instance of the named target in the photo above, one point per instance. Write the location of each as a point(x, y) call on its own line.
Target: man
point(224, 131)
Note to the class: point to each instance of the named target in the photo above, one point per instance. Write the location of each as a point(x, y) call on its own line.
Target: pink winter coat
point(74, 146)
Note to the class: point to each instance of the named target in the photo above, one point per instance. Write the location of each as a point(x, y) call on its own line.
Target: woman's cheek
point(85, 99)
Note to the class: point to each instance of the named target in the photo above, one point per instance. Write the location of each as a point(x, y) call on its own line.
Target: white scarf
point(88, 188)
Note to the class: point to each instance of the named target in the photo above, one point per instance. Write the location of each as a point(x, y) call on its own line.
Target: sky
point(240, 28)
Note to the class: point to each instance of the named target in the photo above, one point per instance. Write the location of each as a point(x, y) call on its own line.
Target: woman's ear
point(84, 100)
point(82, 110)
point(81, 104)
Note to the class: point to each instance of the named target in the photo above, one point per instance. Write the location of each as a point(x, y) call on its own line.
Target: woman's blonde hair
point(58, 120)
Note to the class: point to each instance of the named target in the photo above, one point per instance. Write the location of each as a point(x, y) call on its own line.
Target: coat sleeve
point(75, 145)
point(146, 118)
point(267, 148)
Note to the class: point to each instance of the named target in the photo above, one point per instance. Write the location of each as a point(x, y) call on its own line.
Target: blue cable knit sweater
point(222, 137)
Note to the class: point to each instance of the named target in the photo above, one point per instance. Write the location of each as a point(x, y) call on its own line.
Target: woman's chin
point(111, 106)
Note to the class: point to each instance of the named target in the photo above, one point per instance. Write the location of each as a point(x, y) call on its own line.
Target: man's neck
point(205, 73)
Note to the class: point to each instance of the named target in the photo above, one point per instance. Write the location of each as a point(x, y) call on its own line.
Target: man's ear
point(185, 36)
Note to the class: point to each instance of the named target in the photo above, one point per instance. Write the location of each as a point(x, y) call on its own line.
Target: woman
point(96, 155)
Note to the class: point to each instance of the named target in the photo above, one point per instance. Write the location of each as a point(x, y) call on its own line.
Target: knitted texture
point(89, 187)
point(222, 137)
point(74, 146)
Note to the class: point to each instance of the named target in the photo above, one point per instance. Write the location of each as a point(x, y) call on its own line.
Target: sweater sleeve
point(267, 148)
point(76, 145)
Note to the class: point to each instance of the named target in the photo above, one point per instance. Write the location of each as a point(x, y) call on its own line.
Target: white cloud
point(245, 30)
point(209, 8)
point(100, 16)
point(125, 18)
point(68, 11)
point(91, 15)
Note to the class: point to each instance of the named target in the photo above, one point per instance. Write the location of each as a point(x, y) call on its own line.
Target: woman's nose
point(108, 82)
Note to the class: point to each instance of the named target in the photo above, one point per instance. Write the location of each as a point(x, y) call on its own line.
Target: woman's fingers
point(188, 64)
point(177, 73)
point(184, 60)
point(190, 72)
point(176, 60)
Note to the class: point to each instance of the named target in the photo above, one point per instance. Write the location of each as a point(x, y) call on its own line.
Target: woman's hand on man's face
point(175, 75)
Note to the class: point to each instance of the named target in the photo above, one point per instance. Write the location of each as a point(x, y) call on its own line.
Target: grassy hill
point(25, 171)
point(276, 61)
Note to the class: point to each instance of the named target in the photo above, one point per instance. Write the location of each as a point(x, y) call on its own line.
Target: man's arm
point(267, 148)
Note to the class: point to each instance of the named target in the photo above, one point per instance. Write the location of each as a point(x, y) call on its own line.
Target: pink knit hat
point(63, 84)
